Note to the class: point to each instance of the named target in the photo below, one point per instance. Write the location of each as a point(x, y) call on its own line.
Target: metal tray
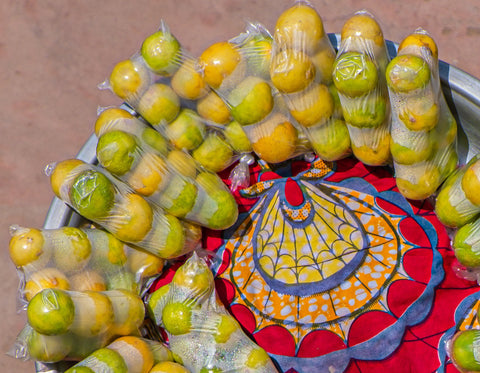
point(461, 90)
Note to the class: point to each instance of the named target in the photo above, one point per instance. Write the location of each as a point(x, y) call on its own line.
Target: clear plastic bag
point(99, 197)
point(359, 76)
point(79, 259)
point(187, 192)
point(301, 70)
point(200, 330)
point(462, 349)
point(69, 325)
point(423, 128)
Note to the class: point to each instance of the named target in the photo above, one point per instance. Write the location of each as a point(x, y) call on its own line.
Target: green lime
point(407, 73)
point(116, 151)
point(155, 140)
point(161, 51)
point(186, 131)
point(92, 194)
point(215, 154)
point(354, 74)
point(465, 350)
point(177, 318)
point(51, 312)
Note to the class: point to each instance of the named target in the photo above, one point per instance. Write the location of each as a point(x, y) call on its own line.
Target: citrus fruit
point(144, 264)
point(51, 312)
point(46, 348)
point(419, 114)
point(155, 140)
point(136, 353)
point(312, 106)
point(27, 246)
point(226, 326)
point(72, 249)
point(464, 350)
point(465, 244)
point(129, 312)
point(257, 358)
point(406, 73)
point(177, 318)
point(471, 183)
point(92, 194)
point(156, 302)
point(414, 152)
point(363, 25)
point(93, 313)
point(237, 138)
point(258, 53)
point(116, 151)
point(211, 107)
point(330, 141)
point(188, 81)
point(215, 154)
point(149, 174)
point(421, 41)
point(169, 367)
point(110, 359)
point(45, 278)
point(323, 61)
point(182, 162)
point(218, 61)
point(79, 369)
point(354, 74)
point(61, 173)
point(133, 218)
point(291, 71)
point(168, 237)
point(275, 139)
point(219, 210)
point(299, 27)
point(421, 183)
point(375, 151)
point(109, 254)
point(107, 118)
point(124, 280)
point(88, 280)
point(368, 112)
point(179, 196)
point(186, 131)
point(195, 276)
point(129, 79)
point(161, 52)
point(159, 104)
point(251, 100)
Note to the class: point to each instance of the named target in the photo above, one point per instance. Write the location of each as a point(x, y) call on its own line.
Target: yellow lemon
point(375, 155)
point(133, 219)
point(311, 106)
point(61, 173)
point(226, 326)
point(420, 114)
point(186, 131)
point(299, 27)
point(195, 276)
point(47, 278)
point(291, 71)
point(108, 116)
point(129, 79)
point(27, 246)
point(275, 140)
point(128, 310)
point(148, 175)
point(211, 107)
point(177, 318)
point(363, 25)
point(218, 61)
point(471, 183)
point(188, 82)
point(421, 185)
point(257, 358)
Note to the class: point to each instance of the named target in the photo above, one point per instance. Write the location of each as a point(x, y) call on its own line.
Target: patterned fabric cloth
point(330, 269)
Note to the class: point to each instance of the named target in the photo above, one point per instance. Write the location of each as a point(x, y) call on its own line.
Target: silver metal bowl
point(461, 90)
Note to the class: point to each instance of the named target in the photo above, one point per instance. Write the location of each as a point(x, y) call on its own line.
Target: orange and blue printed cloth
point(330, 269)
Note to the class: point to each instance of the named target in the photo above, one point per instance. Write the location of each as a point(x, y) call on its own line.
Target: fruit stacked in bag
point(462, 348)
point(79, 259)
point(423, 128)
point(359, 76)
point(129, 354)
point(237, 71)
point(201, 333)
point(167, 177)
point(165, 86)
point(301, 70)
point(458, 207)
point(65, 324)
point(111, 204)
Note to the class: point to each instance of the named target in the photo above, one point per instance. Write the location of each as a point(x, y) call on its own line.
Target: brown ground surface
point(54, 53)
